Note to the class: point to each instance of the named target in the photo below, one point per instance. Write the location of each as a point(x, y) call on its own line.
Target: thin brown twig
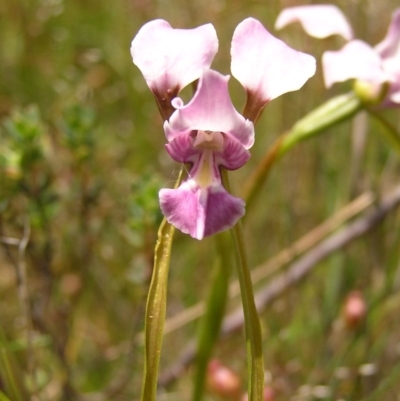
point(22, 288)
point(24, 299)
point(10, 241)
point(297, 271)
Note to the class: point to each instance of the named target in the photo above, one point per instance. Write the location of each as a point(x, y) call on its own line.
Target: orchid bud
point(370, 92)
point(223, 381)
point(355, 309)
point(71, 284)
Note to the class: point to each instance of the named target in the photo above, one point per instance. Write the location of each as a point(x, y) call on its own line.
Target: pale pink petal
point(266, 66)
point(355, 60)
point(393, 95)
point(391, 67)
point(390, 46)
point(320, 21)
point(170, 59)
point(210, 109)
point(200, 212)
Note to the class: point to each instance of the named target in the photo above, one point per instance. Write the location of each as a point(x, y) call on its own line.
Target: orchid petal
point(200, 212)
point(319, 21)
point(181, 149)
point(210, 109)
point(390, 46)
point(170, 59)
point(355, 60)
point(393, 95)
point(266, 66)
point(232, 156)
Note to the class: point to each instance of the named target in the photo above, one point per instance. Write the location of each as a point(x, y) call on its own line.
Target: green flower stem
point(211, 322)
point(389, 132)
point(156, 307)
point(332, 112)
point(255, 360)
point(10, 374)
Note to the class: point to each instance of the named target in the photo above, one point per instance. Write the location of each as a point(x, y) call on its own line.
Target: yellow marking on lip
point(205, 175)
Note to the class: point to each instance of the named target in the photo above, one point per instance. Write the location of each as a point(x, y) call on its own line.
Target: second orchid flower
point(376, 69)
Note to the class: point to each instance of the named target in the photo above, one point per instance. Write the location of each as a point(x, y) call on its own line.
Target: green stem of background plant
point(10, 374)
point(331, 113)
point(255, 360)
point(389, 132)
point(211, 322)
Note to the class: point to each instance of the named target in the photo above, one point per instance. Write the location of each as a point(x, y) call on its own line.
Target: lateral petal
point(355, 60)
point(266, 66)
point(390, 45)
point(320, 20)
point(170, 59)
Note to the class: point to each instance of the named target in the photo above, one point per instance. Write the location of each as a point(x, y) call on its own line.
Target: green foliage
point(77, 125)
point(23, 143)
point(144, 210)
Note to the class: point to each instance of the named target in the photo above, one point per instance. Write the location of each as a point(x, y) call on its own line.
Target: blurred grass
point(88, 182)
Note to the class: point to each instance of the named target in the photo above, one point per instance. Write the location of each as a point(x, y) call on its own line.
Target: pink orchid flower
point(377, 67)
point(208, 133)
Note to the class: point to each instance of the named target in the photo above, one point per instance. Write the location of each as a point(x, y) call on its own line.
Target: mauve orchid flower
point(208, 133)
point(375, 67)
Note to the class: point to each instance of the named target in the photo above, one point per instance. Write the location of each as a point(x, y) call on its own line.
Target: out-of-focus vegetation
point(81, 162)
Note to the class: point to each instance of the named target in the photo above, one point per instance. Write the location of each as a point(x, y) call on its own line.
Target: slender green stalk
point(333, 112)
point(155, 309)
point(255, 360)
point(211, 322)
point(3, 397)
point(389, 132)
point(11, 375)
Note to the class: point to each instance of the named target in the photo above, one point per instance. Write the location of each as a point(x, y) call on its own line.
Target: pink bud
point(71, 284)
point(355, 309)
point(223, 381)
